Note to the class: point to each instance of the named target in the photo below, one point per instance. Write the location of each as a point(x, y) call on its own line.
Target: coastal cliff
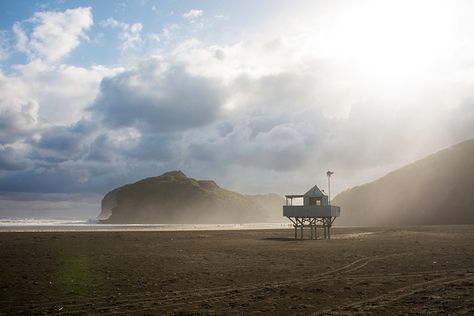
point(175, 198)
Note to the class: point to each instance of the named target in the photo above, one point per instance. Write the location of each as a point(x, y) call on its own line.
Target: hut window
point(314, 201)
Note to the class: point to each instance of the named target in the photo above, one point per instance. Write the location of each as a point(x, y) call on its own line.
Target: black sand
point(412, 270)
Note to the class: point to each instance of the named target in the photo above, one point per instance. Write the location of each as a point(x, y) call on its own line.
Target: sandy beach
point(372, 271)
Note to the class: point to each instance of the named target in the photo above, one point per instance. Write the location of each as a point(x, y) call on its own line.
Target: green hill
point(175, 198)
point(438, 189)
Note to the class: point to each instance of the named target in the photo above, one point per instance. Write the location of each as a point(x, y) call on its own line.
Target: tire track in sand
point(215, 293)
point(161, 300)
point(400, 293)
point(213, 296)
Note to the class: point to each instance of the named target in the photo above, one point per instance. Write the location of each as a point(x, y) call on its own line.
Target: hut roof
point(315, 192)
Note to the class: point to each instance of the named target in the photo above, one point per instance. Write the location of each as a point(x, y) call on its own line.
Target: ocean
point(53, 225)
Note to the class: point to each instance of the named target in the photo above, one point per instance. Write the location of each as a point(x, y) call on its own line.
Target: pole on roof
point(329, 173)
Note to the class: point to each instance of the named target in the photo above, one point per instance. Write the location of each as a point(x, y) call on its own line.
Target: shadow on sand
point(281, 239)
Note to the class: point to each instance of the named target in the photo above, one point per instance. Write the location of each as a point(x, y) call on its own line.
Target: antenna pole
point(329, 189)
point(329, 173)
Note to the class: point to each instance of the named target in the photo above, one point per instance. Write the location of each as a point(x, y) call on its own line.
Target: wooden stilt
point(313, 223)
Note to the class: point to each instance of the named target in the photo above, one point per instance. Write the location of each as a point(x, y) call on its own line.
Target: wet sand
point(373, 271)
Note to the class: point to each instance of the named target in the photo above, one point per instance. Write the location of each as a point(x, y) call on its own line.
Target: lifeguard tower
point(315, 212)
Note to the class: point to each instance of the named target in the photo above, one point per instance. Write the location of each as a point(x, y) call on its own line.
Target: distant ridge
point(175, 198)
point(438, 189)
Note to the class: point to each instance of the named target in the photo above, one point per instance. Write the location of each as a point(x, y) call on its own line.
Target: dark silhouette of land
point(376, 271)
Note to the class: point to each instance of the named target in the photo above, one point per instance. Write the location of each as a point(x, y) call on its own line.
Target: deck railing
point(311, 211)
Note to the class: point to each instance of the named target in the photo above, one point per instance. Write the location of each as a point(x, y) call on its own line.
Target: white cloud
point(54, 34)
point(40, 107)
point(130, 35)
point(61, 91)
point(193, 14)
point(169, 30)
point(18, 111)
point(111, 22)
point(21, 38)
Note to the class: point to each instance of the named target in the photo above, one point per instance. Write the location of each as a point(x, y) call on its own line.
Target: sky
point(260, 96)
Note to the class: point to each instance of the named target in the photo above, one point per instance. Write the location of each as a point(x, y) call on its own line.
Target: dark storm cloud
point(65, 138)
point(155, 147)
point(11, 160)
point(69, 178)
point(62, 143)
point(282, 148)
point(100, 149)
point(154, 100)
point(31, 181)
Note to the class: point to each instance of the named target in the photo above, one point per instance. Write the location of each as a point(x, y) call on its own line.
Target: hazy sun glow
point(388, 42)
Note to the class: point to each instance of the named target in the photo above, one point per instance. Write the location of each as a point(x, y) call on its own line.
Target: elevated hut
point(315, 212)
